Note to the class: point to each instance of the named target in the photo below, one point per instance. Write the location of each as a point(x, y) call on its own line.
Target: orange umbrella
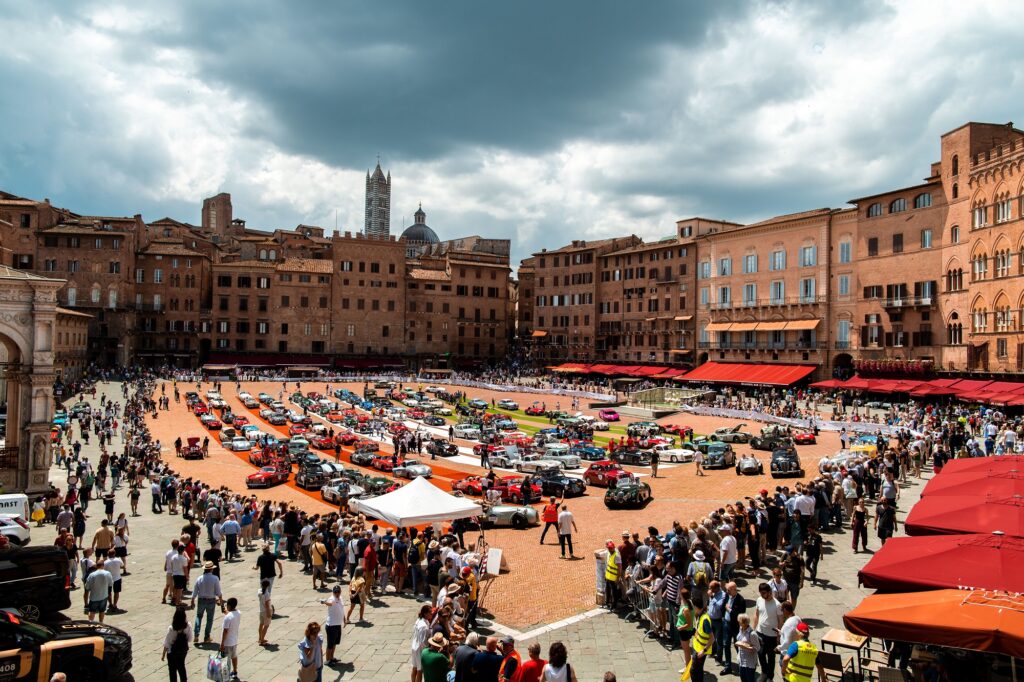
point(979, 620)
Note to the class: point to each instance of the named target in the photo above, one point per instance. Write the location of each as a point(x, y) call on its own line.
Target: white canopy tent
point(418, 503)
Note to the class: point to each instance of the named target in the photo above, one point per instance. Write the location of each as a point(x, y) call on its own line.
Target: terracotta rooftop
point(434, 275)
point(583, 245)
point(317, 265)
point(646, 246)
point(249, 263)
point(789, 216)
point(165, 248)
point(72, 313)
point(7, 272)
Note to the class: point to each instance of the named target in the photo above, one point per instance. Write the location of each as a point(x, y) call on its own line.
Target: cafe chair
point(836, 667)
point(887, 674)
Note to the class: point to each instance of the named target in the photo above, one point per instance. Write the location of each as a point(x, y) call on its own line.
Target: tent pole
point(1013, 668)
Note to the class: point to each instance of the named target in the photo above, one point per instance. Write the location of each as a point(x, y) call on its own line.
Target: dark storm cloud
point(417, 80)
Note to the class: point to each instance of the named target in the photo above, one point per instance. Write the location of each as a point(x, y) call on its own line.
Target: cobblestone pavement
point(379, 648)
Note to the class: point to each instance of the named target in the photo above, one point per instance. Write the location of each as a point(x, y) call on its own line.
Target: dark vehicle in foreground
point(771, 438)
point(83, 650)
point(554, 483)
point(310, 476)
point(629, 492)
point(34, 580)
point(785, 462)
point(718, 455)
point(442, 448)
point(632, 456)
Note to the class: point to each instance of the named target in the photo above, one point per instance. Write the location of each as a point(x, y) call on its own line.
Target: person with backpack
point(698, 575)
point(179, 636)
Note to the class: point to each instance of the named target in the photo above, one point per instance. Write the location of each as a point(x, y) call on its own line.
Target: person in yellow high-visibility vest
point(801, 658)
point(701, 643)
point(612, 575)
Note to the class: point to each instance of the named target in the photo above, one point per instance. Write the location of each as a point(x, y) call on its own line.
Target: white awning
point(416, 504)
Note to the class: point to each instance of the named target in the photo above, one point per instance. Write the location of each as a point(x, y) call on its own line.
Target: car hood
point(73, 629)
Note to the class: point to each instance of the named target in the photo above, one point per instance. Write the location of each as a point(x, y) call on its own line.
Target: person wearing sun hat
point(434, 659)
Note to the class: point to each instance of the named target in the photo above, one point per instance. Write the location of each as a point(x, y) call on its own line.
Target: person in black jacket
point(735, 605)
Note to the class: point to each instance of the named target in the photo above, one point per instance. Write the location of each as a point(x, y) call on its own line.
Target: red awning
point(979, 482)
point(883, 385)
point(828, 383)
point(670, 373)
point(857, 383)
point(1004, 387)
point(648, 371)
point(1002, 463)
point(928, 390)
point(749, 373)
point(992, 622)
point(985, 561)
point(970, 385)
point(947, 515)
point(602, 369)
point(944, 383)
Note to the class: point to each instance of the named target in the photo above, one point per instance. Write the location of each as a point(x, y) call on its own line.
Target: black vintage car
point(84, 650)
point(554, 483)
point(629, 492)
point(631, 456)
point(442, 448)
point(785, 462)
point(311, 476)
point(717, 455)
point(772, 438)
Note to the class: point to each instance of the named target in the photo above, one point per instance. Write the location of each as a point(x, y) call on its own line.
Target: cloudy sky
point(536, 121)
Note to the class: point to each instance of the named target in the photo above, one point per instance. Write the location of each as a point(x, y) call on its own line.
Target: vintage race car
point(266, 477)
point(509, 515)
point(331, 491)
point(507, 404)
point(277, 419)
point(297, 429)
point(200, 408)
point(347, 438)
point(528, 464)
point(771, 438)
point(680, 430)
point(363, 458)
point(749, 465)
point(478, 404)
point(564, 456)
point(632, 456)
point(557, 484)
point(378, 485)
point(648, 429)
point(384, 463)
point(535, 410)
point(265, 398)
point(785, 462)
point(239, 444)
point(193, 450)
point(249, 401)
point(210, 422)
point(718, 455)
point(433, 420)
point(629, 492)
point(732, 434)
point(609, 415)
point(367, 445)
point(470, 485)
point(310, 477)
point(263, 457)
point(675, 455)
point(804, 438)
point(604, 473)
point(322, 442)
point(412, 468)
point(442, 448)
point(511, 488)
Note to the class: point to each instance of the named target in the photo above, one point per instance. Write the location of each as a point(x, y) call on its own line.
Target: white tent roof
point(418, 503)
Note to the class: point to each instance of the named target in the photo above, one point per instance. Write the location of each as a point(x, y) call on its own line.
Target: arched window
point(1002, 263)
point(263, 254)
point(979, 266)
point(956, 190)
point(923, 200)
point(273, 254)
point(95, 294)
point(954, 234)
point(898, 206)
point(955, 165)
point(979, 321)
point(72, 296)
point(112, 299)
point(874, 210)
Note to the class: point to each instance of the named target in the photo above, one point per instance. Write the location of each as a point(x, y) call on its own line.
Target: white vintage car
point(468, 431)
point(330, 491)
point(413, 468)
point(673, 455)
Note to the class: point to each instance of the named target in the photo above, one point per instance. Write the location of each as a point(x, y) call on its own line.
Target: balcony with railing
point(909, 302)
point(770, 302)
point(796, 345)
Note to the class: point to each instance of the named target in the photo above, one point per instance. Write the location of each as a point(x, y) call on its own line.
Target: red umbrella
point(985, 561)
point(857, 383)
point(827, 383)
point(932, 390)
point(999, 463)
point(962, 514)
point(993, 483)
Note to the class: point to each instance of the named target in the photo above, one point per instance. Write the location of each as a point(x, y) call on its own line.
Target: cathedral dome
point(419, 232)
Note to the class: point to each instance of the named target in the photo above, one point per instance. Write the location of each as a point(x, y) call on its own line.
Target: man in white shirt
point(229, 637)
point(335, 621)
point(728, 553)
point(787, 633)
point(169, 585)
point(566, 526)
point(115, 565)
point(179, 563)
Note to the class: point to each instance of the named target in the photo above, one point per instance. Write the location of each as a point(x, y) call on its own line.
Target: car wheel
point(518, 521)
point(519, 468)
point(737, 471)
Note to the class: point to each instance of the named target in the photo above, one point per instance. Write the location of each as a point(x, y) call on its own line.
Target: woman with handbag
point(311, 654)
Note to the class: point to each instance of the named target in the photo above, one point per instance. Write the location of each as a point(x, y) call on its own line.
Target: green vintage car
point(629, 492)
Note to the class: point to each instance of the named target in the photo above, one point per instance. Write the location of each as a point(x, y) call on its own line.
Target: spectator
point(566, 527)
point(97, 589)
point(270, 567)
point(558, 669)
point(486, 663)
point(532, 669)
point(420, 635)
point(463, 659)
point(266, 612)
point(207, 591)
point(311, 655)
point(767, 623)
point(176, 642)
point(335, 622)
point(748, 645)
point(231, 626)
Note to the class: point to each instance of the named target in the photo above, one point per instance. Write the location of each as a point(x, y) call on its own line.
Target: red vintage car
point(366, 445)
point(511, 489)
point(322, 442)
point(347, 438)
point(385, 463)
point(313, 395)
point(478, 449)
point(415, 413)
point(679, 430)
point(536, 410)
point(395, 428)
point(239, 421)
point(297, 429)
point(521, 442)
point(210, 422)
point(335, 417)
point(470, 485)
point(264, 457)
point(200, 408)
point(267, 476)
point(804, 438)
point(604, 473)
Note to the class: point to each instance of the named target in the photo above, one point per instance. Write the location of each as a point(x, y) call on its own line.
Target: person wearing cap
point(612, 575)
point(334, 622)
point(511, 665)
point(207, 591)
point(801, 658)
point(434, 659)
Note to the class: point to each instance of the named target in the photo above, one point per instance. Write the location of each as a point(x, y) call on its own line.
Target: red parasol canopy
point(990, 562)
point(944, 515)
point(932, 390)
point(827, 383)
point(857, 383)
point(979, 482)
point(975, 619)
point(999, 463)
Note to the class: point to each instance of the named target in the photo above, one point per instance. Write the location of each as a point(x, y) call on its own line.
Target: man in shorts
point(115, 566)
point(97, 589)
point(318, 555)
point(335, 621)
point(229, 636)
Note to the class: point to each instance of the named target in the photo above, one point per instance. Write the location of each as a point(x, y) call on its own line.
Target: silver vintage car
point(413, 468)
point(516, 516)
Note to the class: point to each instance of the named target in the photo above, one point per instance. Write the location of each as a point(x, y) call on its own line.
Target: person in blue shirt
point(716, 612)
point(231, 529)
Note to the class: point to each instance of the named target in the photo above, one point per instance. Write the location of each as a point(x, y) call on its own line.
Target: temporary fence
point(821, 424)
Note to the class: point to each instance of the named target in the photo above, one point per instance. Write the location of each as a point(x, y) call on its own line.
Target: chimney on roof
point(46, 201)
